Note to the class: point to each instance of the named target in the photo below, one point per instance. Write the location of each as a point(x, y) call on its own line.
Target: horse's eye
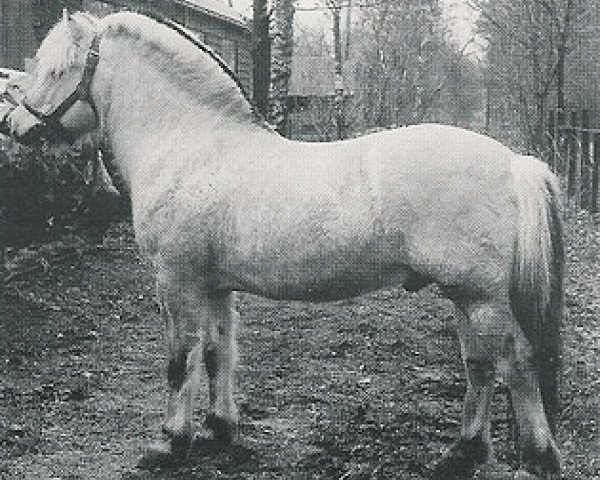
point(57, 74)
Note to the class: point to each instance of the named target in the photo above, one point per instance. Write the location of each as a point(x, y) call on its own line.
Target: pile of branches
point(46, 191)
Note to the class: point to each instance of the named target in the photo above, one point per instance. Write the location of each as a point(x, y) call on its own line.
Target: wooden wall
point(24, 23)
point(231, 41)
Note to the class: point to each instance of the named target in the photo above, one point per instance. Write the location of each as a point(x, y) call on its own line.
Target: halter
point(82, 92)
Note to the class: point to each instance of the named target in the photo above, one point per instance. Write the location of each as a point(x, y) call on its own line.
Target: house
point(24, 23)
point(311, 96)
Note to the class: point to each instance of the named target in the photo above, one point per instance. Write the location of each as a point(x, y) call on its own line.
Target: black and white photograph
point(299, 240)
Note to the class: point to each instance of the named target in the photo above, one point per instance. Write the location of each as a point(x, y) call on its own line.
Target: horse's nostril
point(4, 128)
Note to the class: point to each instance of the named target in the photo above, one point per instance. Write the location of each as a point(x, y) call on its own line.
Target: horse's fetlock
point(225, 430)
point(481, 370)
point(180, 445)
point(540, 460)
point(210, 359)
point(463, 458)
point(176, 370)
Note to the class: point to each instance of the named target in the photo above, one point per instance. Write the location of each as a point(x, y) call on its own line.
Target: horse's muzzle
point(4, 129)
point(24, 127)
point(33, 137)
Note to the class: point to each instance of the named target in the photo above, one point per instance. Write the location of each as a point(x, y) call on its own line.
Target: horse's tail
point(537, 280)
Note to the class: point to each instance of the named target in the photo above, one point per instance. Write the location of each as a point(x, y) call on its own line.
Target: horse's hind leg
point(220, 352)
point(539, 454)
point(480, 331)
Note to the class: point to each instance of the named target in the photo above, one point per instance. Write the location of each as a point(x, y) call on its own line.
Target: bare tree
point(397, 61)
point(528, 42)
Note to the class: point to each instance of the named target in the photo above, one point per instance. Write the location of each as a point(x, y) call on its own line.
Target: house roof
point(314, 76)
point(219, 9)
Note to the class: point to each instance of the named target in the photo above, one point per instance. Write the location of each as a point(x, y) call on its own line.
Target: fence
point(575, 154)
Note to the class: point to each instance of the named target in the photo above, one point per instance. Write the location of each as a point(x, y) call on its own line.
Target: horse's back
point(428, 202)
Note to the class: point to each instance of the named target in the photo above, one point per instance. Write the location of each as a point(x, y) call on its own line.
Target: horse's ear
point(72, 25)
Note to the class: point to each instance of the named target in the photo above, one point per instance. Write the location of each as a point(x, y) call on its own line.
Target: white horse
point(221, 203)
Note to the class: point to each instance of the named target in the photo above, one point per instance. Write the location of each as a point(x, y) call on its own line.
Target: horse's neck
point(149, 119)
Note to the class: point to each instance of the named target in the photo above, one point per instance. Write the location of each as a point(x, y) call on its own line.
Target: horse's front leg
point(184, 315)
point(220, 355)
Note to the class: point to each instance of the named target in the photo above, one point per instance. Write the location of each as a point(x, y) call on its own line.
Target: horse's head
point(56, 103)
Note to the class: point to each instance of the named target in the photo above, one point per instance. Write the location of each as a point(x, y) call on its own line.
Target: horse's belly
point(323, 280)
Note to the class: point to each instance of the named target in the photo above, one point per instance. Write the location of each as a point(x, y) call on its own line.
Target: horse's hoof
point(538, 463)
point(494, 471)
point(180, 442)
point(180, 446)
point(461, 460)
point(224, 431)
point(156, 456)
point(525, 475)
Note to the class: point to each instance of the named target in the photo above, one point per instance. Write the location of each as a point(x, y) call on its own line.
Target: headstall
point(82, 92)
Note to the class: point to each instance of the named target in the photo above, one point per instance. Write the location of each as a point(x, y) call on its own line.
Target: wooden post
point(551, 138)
point(577, 158)
point(3, 161)
point(595, 171)
point(2, 260)
point(572, 156)
point(585, 159)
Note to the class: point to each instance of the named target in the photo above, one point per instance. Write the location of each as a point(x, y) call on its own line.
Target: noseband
point(82, 92)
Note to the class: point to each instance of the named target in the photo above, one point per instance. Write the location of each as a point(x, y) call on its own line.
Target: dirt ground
point(366, 388)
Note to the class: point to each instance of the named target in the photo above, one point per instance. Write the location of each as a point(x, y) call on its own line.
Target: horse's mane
point(166, 41)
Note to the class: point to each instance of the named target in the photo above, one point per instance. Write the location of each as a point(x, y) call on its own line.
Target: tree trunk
point(261, 55)
point(339, 79)
point(281, 67)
